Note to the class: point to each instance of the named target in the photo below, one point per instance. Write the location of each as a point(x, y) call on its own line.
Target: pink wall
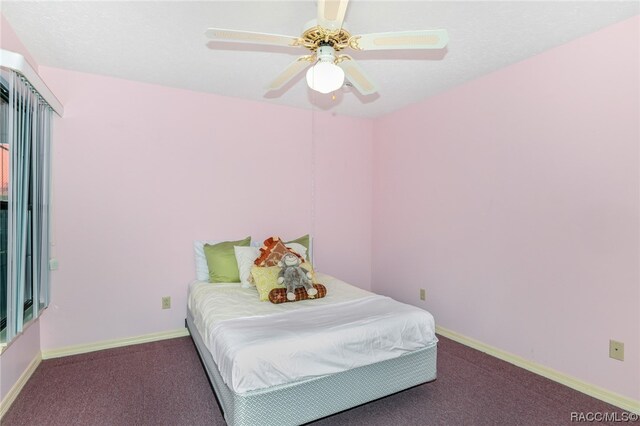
point(514, 201)
point(17, 357)
point(344, 173)
point(140, 171)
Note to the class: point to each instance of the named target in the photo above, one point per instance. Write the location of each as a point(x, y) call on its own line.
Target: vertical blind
point(28, 138)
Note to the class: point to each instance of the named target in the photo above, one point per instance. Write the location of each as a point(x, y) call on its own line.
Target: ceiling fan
point(325, 38)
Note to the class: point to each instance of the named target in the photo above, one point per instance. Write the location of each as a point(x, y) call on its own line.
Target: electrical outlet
point(616, 350)
point(166, 302)
point(423, 294)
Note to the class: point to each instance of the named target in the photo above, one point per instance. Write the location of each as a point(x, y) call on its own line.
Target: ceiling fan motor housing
point(326, 53)
point(316, 36)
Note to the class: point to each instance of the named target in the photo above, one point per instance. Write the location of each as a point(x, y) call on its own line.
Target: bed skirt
point(303, 401)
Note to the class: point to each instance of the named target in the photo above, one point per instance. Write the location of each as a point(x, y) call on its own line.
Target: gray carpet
point(164, 383)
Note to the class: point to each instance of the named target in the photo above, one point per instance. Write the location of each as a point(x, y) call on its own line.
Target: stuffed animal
point(292, 275)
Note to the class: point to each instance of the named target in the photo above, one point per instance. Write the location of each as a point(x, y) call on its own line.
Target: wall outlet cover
point(616, 350)
point(166, 302)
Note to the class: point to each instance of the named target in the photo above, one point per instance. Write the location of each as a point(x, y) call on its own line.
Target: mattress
point(258, 345)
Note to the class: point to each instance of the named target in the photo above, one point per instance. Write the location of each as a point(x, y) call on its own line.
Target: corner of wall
point(9, 40)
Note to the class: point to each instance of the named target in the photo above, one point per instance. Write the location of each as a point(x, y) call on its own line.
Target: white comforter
point(257, 345)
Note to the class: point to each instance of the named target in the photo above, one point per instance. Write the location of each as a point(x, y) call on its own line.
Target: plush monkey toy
point(292, 275)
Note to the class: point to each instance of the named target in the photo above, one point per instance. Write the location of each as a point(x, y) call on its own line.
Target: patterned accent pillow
point(272, 251)
point(265, 279)
point(279, 295)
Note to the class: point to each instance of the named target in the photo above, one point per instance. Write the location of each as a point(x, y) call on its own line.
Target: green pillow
point(304, 240)
point(221, 260)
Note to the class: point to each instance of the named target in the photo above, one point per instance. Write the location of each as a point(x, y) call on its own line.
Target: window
point(27, 299)
point(4, 204)
point(24, 204)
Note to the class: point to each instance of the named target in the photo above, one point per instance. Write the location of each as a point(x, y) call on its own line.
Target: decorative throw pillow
point(221, 261)
point(279, 295)
point(266, 279)
point(272, 251)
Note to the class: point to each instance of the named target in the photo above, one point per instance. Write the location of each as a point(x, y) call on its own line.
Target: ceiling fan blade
point(424, 39)
point(220, 34)
point(293, 69)
point(356, 76)
point(331, 13)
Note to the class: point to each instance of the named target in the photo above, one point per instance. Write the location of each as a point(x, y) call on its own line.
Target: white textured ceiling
point(163, 42)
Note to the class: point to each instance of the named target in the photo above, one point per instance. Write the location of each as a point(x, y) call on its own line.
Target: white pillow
point(202, 269)
point(245, 256)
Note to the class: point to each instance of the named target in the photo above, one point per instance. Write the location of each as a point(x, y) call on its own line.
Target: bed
point(291, 363)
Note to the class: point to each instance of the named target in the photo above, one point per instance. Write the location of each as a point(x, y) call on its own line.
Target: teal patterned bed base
point(307, 400)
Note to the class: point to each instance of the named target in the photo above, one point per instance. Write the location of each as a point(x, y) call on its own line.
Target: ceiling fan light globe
point(325, 77)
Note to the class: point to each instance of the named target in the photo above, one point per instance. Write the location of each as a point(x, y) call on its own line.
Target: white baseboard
point(116, 343)
point(18, 385)
point(602, 394)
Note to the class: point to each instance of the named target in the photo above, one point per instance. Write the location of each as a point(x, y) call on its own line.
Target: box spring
point(303, 401)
